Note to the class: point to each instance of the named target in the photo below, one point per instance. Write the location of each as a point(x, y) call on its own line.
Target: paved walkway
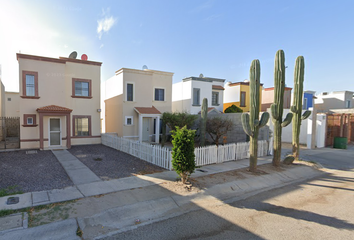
point(77, 171)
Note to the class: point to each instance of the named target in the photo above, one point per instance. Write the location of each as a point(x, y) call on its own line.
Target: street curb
point(187, 204)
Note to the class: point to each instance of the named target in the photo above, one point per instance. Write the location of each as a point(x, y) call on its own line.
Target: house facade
point(188, 95)
point(326, 101)
point(238, 94)
point(268, 98)
point(59, 102)
point(134, 102)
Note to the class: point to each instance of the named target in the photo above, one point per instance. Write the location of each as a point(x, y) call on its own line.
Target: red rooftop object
point(84, 57)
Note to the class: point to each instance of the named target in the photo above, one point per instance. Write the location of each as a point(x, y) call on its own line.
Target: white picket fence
point(154, 154)
point(162, 157)
point(229, 152)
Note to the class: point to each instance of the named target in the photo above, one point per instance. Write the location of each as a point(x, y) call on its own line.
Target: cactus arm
point(264, 119)
point(245, 119)
point(293, 109)
point(305, 115)
point(287, 120)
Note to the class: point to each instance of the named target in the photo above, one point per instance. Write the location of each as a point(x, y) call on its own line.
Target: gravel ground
point(111, 163)
point(32, 172)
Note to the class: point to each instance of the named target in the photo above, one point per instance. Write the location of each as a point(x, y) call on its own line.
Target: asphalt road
point(322, 208)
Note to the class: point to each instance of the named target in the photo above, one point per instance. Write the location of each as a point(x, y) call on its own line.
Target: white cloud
point(102, 45)
point(105, 24)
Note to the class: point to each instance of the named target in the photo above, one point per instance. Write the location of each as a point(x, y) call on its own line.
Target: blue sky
point(218, 38)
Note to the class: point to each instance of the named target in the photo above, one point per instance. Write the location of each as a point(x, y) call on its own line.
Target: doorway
point(146, 129)
point(54, 132)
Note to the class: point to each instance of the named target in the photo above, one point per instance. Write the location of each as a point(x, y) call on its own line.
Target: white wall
point(287, 131)
point(321, 130)
point(231, 93)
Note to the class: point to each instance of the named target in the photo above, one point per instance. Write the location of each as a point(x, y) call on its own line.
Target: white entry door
point(146, 130)
point(54, 132)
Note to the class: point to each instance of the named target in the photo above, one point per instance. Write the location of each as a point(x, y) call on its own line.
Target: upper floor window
point(243, 99)
point(215, 98)
point(347, 104)
point(130, 92)
point(196, 96)
point(304, 104)
point(81, 88)
point(29, 84)
point(159, 94)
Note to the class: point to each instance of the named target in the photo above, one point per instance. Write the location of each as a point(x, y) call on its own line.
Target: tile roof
point(218, 87)
point(147, 110)
point(53, 108)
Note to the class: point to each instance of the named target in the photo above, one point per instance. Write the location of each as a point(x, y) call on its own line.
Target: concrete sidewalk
point(94, 186)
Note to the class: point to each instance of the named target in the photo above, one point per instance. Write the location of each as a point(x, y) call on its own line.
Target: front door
point(54, 132)
point(146, 130)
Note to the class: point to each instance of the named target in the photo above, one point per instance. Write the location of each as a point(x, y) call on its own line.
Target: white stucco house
point(326, 101)
point(188, 95)
point(134, 102)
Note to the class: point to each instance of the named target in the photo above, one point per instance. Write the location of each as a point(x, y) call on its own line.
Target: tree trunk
point(277, 144)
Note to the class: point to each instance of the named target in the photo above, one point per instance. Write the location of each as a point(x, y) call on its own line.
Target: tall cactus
point(204, 116)
point(250, 122)
point(296, 108)
point(277, 107)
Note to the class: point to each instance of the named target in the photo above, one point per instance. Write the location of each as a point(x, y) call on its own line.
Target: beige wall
point(145, 82)
point(55, 88)
point(12, 106)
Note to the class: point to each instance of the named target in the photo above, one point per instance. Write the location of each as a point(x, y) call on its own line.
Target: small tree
point(233, 109)
point(173, 120)
point(183, 152)
point(216, 127)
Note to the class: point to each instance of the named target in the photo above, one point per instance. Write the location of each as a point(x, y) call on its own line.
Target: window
point(29, 84)
point(304, 104)
point(196, 96)
point(129, 120)
point(347, 104)
point(159, 94)
point(82, 126)
point(130, 92)
point(215, 98)
point(243, 99)
point(29, 120)
point(81, 88)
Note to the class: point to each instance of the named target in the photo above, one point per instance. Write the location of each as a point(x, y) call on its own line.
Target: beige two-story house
point(134, 102)
point(59, 102)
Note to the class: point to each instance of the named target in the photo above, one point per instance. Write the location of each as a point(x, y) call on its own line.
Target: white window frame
point(30, 123)
point(198, 103)
point(164, 94)
point(126, 91)
point(217, 98)
point(126, 120)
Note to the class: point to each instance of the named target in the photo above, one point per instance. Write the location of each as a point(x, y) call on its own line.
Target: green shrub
point(233, 109)
point(183, 152)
